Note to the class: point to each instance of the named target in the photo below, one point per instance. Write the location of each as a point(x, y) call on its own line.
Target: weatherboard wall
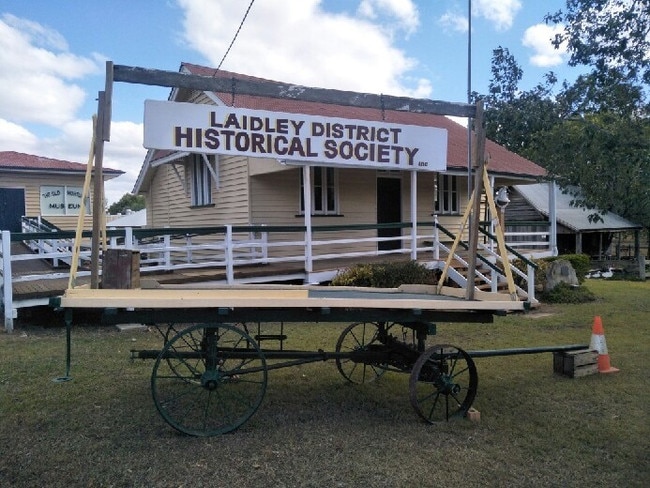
point(31, 184)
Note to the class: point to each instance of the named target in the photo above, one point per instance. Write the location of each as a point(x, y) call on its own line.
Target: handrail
point(483, 259)
point(510, 249)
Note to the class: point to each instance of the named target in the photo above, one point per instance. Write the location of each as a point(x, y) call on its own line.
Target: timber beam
point(271, 89)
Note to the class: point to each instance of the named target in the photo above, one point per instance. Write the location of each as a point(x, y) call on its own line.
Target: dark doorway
point(389, 211)
point(12, 208)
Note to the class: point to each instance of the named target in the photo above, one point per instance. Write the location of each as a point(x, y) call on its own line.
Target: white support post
point(167, 253)
point(128, 238)
point(414, 215)
point(230, 266)
point(7, 286)
point(306, 179)
point(188, 248)
point(531, 282)
point(552, 216)
point(265, 246)
point(55, 246)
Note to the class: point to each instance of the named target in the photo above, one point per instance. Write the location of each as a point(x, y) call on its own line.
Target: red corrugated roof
point(502, 161)
point(22, 161)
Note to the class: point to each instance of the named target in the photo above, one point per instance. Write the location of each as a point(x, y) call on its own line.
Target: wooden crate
point(575, 364)
point(121, 269)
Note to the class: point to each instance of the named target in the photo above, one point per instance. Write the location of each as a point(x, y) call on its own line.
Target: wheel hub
point(446, 386)
point(210, 380)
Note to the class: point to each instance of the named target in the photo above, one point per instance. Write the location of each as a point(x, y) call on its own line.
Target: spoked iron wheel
point(209, 379)
point(359, 337)
point(443, 383)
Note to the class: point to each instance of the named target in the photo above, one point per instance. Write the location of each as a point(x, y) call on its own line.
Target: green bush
point(385, 275)
point(565, 293)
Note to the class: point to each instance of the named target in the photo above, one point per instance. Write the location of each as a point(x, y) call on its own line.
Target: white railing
point(229, 246)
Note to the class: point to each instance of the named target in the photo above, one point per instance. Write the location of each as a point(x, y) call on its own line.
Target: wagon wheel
point(173, 329)
point(443, 383)
point(209, 379)
point(359, 337)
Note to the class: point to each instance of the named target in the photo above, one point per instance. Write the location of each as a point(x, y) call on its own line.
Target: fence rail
point(229, 246)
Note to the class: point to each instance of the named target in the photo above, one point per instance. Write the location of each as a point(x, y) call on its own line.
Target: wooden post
point(478, 163)
point(641, 261)
point(98, 192)
point(102, 134)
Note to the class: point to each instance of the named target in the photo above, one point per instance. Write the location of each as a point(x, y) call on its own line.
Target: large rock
point(560, 271)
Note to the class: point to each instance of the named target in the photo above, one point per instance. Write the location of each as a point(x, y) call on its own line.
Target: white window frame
point(448, 197)
point(200, 182)
point(324, 191)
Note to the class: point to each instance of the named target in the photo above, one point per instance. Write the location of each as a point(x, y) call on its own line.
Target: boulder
point(560, 271)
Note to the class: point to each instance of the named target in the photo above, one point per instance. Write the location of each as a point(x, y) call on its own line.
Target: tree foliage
point(595, 132)
point(512, 118)
point(608, 156)
point(607, 35)
point(127, 202)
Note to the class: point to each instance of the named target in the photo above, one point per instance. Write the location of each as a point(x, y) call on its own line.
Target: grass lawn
point(315, 430)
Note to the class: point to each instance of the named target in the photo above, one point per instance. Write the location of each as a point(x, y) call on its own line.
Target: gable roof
point(29, 163)
point(502, 161)
point(575, 218)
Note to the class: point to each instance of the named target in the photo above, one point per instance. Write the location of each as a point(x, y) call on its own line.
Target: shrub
point(564, 293)
point(385, 275)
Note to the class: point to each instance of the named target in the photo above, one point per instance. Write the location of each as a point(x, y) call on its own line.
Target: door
point(12, 208)
point(389, 211)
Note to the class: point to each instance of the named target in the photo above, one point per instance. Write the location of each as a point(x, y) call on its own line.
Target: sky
point(53, 55)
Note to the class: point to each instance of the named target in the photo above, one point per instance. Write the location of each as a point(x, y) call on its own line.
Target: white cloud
point(14, 137)
point(299, 38)
point(123, 152)
point(538, 38)
point(501, 12)
point(404, 11)
point(452, 22)
point(36, 71)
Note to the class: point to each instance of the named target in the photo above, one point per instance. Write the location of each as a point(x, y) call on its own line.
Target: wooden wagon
point(210, 375)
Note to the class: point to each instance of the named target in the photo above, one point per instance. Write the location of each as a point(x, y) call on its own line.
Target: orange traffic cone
point(598, 344)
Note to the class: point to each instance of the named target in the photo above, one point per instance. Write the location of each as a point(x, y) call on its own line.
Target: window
point(201, 184)
point(62, 200)
point(447, 201)
point(324, 191)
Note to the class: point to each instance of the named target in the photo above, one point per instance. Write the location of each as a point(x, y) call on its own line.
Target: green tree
point(608, 156)
point(127, 202)
point(608, 36)
point(513, 118)
point(595, 132)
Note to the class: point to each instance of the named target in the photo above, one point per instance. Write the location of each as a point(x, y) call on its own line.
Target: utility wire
point(236, 34)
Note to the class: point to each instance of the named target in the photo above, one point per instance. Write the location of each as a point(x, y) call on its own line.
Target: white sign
point(326, 141)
